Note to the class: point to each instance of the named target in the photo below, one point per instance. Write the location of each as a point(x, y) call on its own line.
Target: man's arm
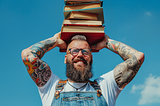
point(125, 71)
point(38, 70)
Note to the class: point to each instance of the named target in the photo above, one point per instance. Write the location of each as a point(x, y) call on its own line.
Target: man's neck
point(76, 81)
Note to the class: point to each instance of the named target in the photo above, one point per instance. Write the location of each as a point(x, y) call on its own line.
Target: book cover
point(82, 15)
point(98, 11)
point(87, 29)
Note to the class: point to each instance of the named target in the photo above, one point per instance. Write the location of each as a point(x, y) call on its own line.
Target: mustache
point(80, 59)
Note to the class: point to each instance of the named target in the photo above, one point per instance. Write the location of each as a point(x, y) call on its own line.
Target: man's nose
point(80, 54)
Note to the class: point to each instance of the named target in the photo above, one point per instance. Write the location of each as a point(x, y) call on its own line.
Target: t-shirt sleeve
point(109, 87)
point(47, 91)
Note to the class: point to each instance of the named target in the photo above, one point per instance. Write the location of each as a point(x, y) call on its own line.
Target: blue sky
point(25, 22)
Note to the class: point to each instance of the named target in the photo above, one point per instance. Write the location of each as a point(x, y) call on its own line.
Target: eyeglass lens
point(76, 51)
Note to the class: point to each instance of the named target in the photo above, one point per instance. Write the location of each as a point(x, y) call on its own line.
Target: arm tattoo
point(127, 70)
point(41, 74)
point(39, 71)
point(40, 48)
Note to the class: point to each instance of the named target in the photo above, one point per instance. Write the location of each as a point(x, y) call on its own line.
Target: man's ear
point(65, 59)
point(92, 58)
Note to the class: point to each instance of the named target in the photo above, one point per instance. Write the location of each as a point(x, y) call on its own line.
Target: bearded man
point(78, 90)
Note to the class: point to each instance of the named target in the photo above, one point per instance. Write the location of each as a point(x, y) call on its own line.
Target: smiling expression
point(79, 61)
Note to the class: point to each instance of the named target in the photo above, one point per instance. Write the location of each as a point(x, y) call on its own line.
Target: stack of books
point(83, 17)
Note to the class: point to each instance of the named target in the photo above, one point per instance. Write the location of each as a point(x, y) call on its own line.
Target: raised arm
point(38, 70)
point(125, 71)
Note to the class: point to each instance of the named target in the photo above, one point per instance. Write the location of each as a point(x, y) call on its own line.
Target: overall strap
point(61, 84)
point(59, 88)
point(95, 85)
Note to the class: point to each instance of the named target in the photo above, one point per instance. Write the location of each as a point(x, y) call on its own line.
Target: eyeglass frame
point(79, 50)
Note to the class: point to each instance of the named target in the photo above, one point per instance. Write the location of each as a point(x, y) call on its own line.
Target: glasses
point(75, 51)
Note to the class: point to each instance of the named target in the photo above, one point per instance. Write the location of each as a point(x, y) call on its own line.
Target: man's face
point(78, 65)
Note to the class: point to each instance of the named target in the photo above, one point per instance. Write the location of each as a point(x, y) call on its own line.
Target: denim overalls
point(76, 98)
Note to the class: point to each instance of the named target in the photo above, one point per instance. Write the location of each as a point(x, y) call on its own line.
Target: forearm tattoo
point(40, 48)
point(38, 70)
point(127, 70)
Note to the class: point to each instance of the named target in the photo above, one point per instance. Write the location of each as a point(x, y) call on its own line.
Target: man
point(77, 89)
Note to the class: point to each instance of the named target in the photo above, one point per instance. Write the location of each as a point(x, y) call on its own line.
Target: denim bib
point(76, 98)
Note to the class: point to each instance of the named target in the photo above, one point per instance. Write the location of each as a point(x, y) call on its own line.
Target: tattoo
point(125, 52)
point(29, 65)
point(49, 43)
point(123, 75)
point(37, 69)
point(40, 48)
point(127, 70)
point(113, 45)
point(41, 74)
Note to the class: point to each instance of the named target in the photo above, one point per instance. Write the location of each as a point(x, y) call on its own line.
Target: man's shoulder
point(106, 76)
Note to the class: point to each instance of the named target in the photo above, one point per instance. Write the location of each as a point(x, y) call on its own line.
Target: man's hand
point(60, 43)
point(101, 44)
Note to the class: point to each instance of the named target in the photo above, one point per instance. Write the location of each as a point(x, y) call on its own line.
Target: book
point(82, 29)
point(70, 3)
point(83, 0)
point(82, 15)
point(93, 34)
point(98, 11)
point(82, 23)
point(83, 6)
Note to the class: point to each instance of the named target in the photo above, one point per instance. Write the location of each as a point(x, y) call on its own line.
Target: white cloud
point(148, 13)
point(150, 91)
point(134, 88)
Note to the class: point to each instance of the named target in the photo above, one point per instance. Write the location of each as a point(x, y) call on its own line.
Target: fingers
point(58, 35)
point(102, 44)
point(106, 36)
point(62, 44)
point(94, 47)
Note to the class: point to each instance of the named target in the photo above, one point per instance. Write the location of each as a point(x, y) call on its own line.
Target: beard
point(81, 74)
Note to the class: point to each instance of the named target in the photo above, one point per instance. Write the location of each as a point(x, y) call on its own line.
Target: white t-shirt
point(107, 83)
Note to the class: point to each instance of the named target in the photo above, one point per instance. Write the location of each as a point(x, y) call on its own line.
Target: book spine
point(82, 25)
point(82, 6)
point(82, 0)
point(82, 9)
point(70, 3)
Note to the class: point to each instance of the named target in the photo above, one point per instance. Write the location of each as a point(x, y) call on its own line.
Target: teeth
point(79, 62)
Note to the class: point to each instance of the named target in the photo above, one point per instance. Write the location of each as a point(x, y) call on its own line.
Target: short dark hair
point(79, 37)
